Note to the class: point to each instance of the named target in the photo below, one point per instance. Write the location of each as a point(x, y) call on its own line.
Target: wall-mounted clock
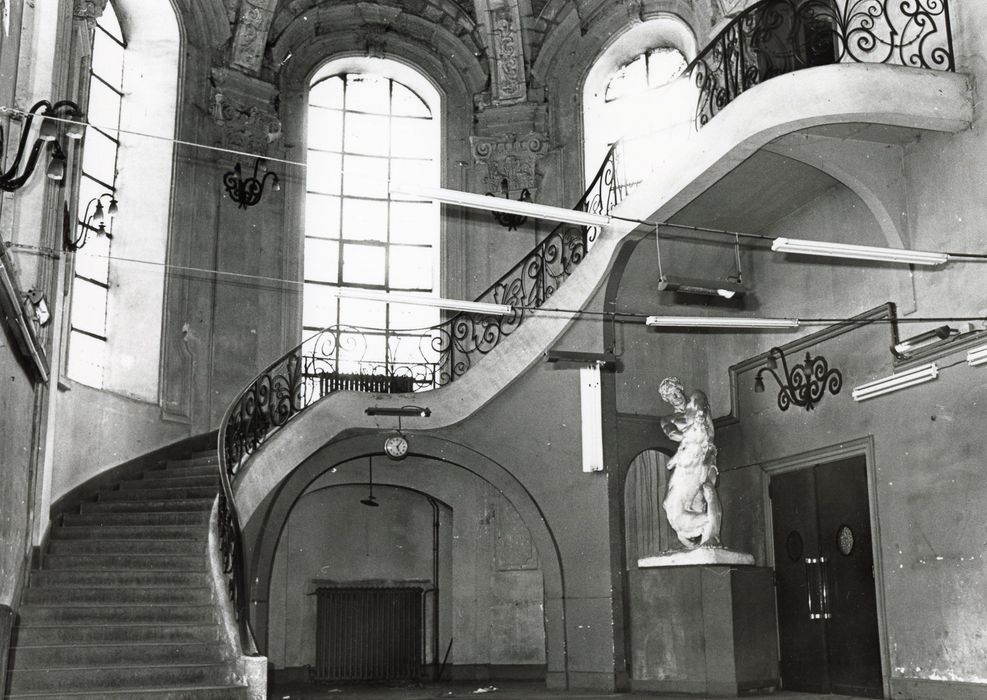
point(396, 446)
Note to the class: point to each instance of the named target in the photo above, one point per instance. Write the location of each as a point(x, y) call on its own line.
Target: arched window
point(370, 121)
point(118, 284)
point(633, 94)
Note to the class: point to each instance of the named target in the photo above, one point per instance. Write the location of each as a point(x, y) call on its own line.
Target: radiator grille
point(368, 634)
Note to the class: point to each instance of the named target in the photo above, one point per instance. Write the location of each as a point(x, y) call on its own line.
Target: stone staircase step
point(49, 578)
point(125, 562)
point(199, 460)
point(41, 634)
point(129, 532)
point(159, 494)
point(201, 692)
point(115, 613)
point(132, 546)
point(141, 506)
point(91, 678)
point(133, 653)
point(108, 518)
point(181, 472)
point(138, 595)
point(164, 480)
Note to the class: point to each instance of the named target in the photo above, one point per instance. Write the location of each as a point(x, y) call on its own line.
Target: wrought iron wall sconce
point(94, 221)
point(804, 384)
point(48, 133)
point(246, 193)
point(511, 221)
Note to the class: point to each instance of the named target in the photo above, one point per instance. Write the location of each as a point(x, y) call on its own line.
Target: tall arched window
point(633, 95)
point(370, 121)
point(118, 285)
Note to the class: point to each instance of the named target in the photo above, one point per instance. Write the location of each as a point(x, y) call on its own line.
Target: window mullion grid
point(342, 204)
point(387, 227)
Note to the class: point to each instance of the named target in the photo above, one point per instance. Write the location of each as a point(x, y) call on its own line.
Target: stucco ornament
point(509, 157)
point(251, 35)
point(691, 503)
point(508, 56)
point(89, 10)
point(244, 108)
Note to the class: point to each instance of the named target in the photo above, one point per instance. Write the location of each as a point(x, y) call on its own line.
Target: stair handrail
point(297, 380)
point(774, 37)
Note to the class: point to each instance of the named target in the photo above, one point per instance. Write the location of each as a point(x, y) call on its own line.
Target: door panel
point(845, 543)
point(827, 604)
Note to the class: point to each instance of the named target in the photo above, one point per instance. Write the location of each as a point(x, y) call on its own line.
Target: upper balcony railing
point(774, 37)
point(347, 358)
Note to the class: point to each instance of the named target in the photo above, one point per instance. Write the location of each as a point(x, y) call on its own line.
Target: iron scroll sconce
point(93, 221)
point(51, 115)
point(805, 384)
point(246, 193)
point(511, 221)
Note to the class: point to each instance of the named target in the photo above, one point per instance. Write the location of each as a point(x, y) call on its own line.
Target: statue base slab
point(705, 555)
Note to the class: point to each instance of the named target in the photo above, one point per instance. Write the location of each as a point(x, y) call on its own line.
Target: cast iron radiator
point(368, 634)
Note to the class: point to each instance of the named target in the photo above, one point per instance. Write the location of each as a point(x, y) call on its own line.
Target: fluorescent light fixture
point(899, 380)
point(720, 322)
point(694, 285)
point(477, 307)
point(976, 356)
point(858, 252)
point(906, 346)
point(418, 411)
point(482, 201)
point(602, 359)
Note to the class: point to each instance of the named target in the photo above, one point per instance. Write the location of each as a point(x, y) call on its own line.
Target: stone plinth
point(700, 555)
point(703, 629)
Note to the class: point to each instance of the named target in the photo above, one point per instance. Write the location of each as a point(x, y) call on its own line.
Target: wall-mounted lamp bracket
point(805, 384)
point(247, 192)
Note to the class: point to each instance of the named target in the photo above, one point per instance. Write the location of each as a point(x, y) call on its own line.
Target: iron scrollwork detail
point(805, 384)
point(774, 37)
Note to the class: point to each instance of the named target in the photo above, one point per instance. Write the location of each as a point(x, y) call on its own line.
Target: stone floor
point(507, 690)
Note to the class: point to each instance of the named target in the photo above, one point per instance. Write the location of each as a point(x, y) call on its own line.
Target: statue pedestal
point(705, 628)
point(700, 555)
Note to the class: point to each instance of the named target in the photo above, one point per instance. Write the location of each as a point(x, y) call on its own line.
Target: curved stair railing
point(348, 358)
point(774, 37)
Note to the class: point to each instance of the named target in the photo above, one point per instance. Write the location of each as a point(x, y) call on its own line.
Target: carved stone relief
point(244, 108)
point(513, 548)
point(89, 10)
point(251, 35)
point(509, 157)
point(508, 53)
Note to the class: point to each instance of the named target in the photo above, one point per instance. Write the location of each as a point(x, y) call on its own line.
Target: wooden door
point(827, 605)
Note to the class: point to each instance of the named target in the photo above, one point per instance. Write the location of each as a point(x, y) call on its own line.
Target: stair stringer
point(836, 94)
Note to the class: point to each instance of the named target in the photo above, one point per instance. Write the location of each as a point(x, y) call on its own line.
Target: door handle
point(823, 566)
point(817, 588)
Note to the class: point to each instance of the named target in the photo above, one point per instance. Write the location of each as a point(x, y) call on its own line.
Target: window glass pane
point(414, 222)
point(93, 260)
point(363, 313)
point(322, 260)
point(363, 264)
point(366, 133)
point(89, 190)
point(406, 103)
point(321, 215)
point(104, 107)
point(412, 138)
point(628, 80)
point(411, 316)
point(87, 357)
point(325, 128)
point(365, 177)
point(365, 219)
point(319, 307)
point(664, 66)
point(411, 267)
point(98, 158)
point(361, 353)
point(107, 59)
point(108, 22)
point(323, 172)
point(89, 307)
point(413, 172)
point(327, 93)
point(368, 93)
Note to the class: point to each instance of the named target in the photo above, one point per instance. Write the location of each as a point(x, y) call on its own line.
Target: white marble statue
point(691, 503)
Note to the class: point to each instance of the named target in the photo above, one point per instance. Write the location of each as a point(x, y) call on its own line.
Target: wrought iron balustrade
point(774, 37)
point(347, 358)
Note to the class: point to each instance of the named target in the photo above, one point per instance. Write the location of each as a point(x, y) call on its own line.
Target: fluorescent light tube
point(900, 380)
point(936, 334)
point(487, 203)
point(858, 252)
point(477, 307)
point(976, 356)
point(720, 322)
point(692, 285)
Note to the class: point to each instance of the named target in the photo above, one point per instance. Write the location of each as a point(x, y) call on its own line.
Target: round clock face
point(396, 447)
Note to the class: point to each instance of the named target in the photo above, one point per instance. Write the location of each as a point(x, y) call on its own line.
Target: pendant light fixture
point(370, 500)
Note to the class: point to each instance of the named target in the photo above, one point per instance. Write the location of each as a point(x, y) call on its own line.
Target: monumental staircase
point(123, 604)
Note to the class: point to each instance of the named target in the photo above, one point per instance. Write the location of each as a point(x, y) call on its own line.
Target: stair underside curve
point(836, 94)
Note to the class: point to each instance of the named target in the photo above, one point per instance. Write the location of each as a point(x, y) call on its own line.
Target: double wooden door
point(827, 604)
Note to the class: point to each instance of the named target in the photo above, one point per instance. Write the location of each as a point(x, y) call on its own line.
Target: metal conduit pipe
point(435, 586)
